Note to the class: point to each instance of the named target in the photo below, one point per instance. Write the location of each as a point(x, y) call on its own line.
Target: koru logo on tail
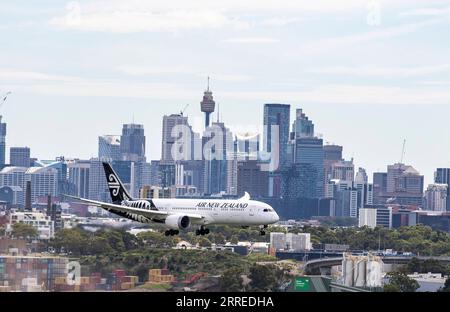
point(114, 184)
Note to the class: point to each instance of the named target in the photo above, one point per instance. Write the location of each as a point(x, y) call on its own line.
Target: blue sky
point(369, 73)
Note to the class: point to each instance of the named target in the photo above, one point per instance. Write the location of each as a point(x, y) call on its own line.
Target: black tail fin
point(118, 192)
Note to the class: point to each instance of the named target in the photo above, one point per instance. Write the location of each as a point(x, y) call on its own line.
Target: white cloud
point(380, 71)
point(180, 15)
point(280, 21)
point(435, 83)
point(251, 40)
point(134, 70)
point(328, 44)
point(348, 94)
point(41, 83)
point(168, 70)
point(130, 21)
point(427, 12)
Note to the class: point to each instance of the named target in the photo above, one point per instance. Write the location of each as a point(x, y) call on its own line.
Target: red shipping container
point(165, 272)
point(120, 273)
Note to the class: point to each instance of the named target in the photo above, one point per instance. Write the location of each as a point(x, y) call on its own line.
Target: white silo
point(360, 272)
point(373, 272)
point(347, 270)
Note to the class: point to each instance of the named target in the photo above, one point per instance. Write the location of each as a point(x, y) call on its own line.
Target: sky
point(370, 74)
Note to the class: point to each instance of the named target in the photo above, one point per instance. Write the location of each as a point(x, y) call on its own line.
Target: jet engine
point(178, 222)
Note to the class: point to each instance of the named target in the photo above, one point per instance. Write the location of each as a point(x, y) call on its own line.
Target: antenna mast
point(403, 152)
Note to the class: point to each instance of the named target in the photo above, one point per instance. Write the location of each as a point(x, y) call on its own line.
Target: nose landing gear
point(262, 230)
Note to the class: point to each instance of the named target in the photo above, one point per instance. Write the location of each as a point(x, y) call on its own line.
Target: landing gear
point(262, 229)
point(202, 231)
point(172, 232)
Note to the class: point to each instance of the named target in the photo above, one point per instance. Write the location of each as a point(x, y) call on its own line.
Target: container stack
point(14, 269)
point(157, 276)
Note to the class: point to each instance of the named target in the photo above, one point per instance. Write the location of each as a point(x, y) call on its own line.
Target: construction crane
point(403, 152)
point(184, 109)
point(4, 97)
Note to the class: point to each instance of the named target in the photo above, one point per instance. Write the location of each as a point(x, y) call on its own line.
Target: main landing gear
point(262, 229)
point(202, 231)
point(172, 232)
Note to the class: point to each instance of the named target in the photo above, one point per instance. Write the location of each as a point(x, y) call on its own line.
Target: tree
point(400, 282)
point(2, 231)
point(71, 240)
point(204, 242)
point(23, 230)
point(264, 277)
point(231, 280)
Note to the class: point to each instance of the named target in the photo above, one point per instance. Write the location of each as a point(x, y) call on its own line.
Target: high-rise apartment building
point(177, 137)
point(44, 181)
point(19, 157)
point(109, 147)
point(436, 197)
point(14, 177)
point(343, 170)
point(79, 172)
point(442, 176)
point(132, 143)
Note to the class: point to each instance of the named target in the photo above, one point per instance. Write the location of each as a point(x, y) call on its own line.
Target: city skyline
point(368, 95)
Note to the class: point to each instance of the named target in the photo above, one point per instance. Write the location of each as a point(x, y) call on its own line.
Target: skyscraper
point(436, 197)
point(277, 116)
point(361, 176)
point(308, 154)
point(404, 186)
point(332, 152)
point(207, 105)
point(2, 143)
point(276, 141)
point(19, 156)
point(302, 127)
point(132, 142)
point(343, 170)
point(442, 176)
point(251, 179)
point(217, 141)
point(109, 147)
point(15, 177)
point(331, 155)
point(379, 187)
point(79, 177)
point(345, 198)
point(44, 181)
point(98, 188)
point(184, 147)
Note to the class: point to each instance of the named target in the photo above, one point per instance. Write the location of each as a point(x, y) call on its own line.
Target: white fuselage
point(213, 211)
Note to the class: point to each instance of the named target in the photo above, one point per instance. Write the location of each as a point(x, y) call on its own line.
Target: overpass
point(329, 262)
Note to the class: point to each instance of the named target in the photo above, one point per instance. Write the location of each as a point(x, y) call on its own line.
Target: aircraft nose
point(276, 217)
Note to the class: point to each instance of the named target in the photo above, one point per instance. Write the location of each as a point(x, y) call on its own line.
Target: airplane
point(182, 214)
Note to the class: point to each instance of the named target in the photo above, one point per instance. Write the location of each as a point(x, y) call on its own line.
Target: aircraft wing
point(130, 211)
